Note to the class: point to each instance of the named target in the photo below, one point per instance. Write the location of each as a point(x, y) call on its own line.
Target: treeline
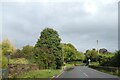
point(71, 54)
point(103, 57)
point(48, 52)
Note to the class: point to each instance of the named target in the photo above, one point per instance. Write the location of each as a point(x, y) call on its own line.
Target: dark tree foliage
point(49, 45)
point(44, 60)
point(115, 61)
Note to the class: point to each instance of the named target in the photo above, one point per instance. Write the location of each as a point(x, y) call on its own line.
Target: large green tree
point(68, 52)
point(49, 43)
point(71, 54)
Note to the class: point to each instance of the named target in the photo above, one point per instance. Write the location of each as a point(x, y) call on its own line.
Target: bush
point(19, 61)
point(115, 61)
point(4, 62)
point(110, 59)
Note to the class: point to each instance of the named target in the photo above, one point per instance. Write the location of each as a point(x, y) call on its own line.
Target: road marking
point(84, 73)
point(60, 74)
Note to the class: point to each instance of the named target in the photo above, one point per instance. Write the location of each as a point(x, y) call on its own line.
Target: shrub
point(4, 62)
point(19, 61)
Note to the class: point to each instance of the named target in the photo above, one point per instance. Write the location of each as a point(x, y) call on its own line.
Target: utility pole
point(97, 47)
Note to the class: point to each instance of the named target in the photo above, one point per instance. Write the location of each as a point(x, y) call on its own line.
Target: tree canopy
point(91, 54)
point(7, 46)
point(71, 53)
point(49, 43)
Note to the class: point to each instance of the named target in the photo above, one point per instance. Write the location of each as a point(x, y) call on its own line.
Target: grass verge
point(69, 65)
point(40, 74)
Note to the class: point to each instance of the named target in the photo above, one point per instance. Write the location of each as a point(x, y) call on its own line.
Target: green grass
point(40, 74)
point(69, 65)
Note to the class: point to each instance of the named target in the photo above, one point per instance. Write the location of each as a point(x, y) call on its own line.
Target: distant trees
point(104, 57)
point(91, 54)
point(71, 54)
point(112, 59)
point(48, 52)
point(27, 51)
point(17, 54)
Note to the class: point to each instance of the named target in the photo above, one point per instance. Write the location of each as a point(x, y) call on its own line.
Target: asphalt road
point(84, 72)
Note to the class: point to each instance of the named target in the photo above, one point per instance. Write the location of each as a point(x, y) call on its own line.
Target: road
point(84, 72)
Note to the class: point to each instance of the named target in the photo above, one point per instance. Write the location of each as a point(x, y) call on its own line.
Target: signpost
point(89, 61)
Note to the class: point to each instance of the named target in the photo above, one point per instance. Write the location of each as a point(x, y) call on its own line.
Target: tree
point(41, 58)
point(27, 51)
point(116, 59)
point(71, 54)
point(80, 56)
point(49, 43)
point(117, 56)
point(91, 54)
point(7, 46)
point(105, 59)
point(18, 54)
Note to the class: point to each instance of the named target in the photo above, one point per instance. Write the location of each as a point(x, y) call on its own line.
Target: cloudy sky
point(80, 22)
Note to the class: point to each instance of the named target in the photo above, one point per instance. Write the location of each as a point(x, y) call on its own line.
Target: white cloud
point(91, 8)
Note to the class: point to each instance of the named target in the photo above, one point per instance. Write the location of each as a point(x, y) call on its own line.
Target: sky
point(79, 22)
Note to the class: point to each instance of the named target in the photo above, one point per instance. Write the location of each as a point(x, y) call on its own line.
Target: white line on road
point(84, 73)
point(60, 74)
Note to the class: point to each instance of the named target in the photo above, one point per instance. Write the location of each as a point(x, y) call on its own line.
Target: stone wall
point(16, 69)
